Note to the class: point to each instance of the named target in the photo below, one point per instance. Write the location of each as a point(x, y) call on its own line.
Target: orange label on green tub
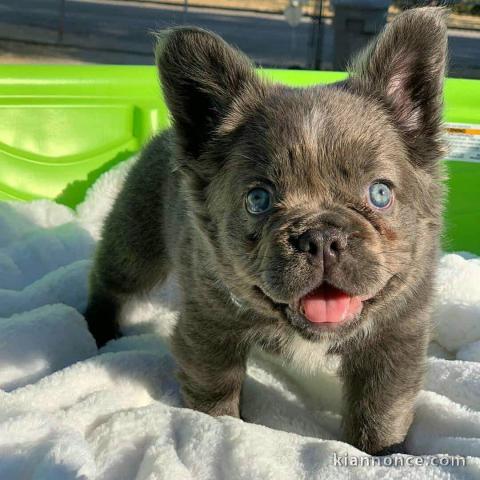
point(463, 142)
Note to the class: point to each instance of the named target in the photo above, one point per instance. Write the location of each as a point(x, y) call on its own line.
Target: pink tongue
point(327, 304)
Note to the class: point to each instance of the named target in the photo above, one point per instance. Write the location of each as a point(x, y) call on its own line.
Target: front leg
point(382, 378)
point(211, 364)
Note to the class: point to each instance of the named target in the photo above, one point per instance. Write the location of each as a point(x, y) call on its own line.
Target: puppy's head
point(316, 205)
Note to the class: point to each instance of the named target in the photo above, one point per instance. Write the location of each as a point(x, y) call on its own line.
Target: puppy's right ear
point(201, 77)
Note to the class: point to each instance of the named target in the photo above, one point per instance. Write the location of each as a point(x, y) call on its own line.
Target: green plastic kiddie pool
point(62, 126)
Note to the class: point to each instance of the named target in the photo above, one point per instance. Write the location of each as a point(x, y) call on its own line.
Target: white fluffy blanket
point(70, 412)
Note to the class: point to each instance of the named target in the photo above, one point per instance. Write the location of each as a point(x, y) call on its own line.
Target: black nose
point(324, 244)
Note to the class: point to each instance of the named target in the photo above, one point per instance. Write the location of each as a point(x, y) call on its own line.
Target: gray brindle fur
point(317, 149)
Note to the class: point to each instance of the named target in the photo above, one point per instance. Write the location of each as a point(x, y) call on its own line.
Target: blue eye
point(380, 195)
point(258, 201)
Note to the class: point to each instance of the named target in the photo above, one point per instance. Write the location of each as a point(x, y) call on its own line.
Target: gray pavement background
point(118, 32)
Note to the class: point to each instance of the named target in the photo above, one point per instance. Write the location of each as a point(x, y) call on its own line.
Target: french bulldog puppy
point(303, 221)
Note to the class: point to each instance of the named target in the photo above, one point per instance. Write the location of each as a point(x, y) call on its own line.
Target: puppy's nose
point(323, 244)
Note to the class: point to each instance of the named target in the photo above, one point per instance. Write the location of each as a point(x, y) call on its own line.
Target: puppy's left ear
point(405, 68)
point(202, 76)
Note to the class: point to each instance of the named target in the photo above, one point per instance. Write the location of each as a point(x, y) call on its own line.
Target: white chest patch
point(310, 357)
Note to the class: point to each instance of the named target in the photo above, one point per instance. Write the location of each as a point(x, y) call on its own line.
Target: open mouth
point(329, 305)
point(324, 308)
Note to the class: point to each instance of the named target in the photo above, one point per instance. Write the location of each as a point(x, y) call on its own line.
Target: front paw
point(213, 406)
point(379, 448)
point(392, 449)
point(375, 443)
